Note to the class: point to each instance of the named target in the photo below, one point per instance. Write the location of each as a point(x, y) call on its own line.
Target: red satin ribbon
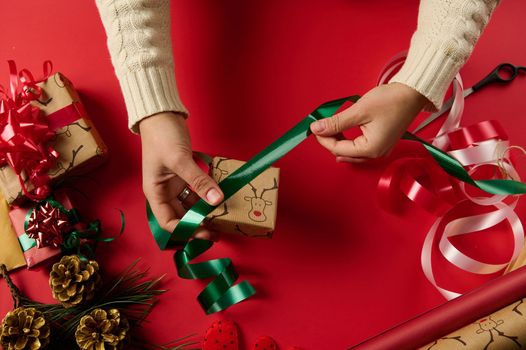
point(25, 132)
point(470, 135)
point(421, 181)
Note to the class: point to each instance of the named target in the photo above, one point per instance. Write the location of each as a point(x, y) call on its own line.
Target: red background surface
point(339, 269)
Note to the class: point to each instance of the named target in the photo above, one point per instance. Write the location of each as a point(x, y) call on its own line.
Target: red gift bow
point(47, 225)
point(424, 183)
point(25, 132)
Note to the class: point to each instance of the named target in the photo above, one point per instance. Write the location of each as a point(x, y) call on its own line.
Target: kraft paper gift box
point(10, 252)
point(252, 210)
point(34, 256)
point(79, 145)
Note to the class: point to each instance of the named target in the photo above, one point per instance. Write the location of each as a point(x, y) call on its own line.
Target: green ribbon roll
point(222, 293)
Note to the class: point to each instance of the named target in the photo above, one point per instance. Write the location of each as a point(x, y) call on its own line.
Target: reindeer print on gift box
point(258, 203)
point(217, 172)
point(252, 210)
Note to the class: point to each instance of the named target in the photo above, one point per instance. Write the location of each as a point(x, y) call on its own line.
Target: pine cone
point(101, 330)
point(24, 329)
point(74, 281)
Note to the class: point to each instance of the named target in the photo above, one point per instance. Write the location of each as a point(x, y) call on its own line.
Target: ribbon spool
point(473, 147)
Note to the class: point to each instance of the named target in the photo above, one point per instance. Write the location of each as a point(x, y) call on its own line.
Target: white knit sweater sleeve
point(140, 46)
point(445, 37)
point(141, 52)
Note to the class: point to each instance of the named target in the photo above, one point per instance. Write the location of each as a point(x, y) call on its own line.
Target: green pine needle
point(132, 292)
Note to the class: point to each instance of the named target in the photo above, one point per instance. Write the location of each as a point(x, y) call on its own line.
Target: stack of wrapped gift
point(46, 136)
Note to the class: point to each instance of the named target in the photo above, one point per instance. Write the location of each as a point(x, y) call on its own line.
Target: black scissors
point(503, 73)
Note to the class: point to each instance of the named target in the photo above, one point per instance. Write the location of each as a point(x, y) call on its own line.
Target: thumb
point(335, 124)
point(200, 181)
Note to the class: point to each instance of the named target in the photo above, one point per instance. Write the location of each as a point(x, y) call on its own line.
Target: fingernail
point(318, 126)
point(213, 196)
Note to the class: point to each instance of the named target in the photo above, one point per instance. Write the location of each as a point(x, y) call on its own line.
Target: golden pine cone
point(24, 329)
point(101, 330)
point(74, 281)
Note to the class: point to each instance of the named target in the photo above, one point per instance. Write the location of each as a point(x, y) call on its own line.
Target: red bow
point(25, 132)
point(47, 225)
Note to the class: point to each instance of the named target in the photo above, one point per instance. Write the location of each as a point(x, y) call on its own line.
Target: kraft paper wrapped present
point(34, 255)
point(78, 143)
point(252, 210)
point(10, 252)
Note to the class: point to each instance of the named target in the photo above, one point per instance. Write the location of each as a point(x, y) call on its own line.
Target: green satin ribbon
point(26, 242)
point(222, 292)
point(72, 241)
point(454, 168)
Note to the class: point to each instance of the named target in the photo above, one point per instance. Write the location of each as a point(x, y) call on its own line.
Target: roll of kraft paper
point(453, 315)
point(504, 329)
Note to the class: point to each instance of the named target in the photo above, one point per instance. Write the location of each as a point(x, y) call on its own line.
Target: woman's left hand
point(383, 115)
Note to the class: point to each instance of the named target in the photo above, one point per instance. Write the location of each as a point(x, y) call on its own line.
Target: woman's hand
point(168, 167)
point(383, 114)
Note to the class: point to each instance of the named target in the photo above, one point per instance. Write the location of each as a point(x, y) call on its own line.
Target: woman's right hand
point(168, 167)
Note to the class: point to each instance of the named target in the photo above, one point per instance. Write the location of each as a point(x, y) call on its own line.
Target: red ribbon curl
point(421, 181)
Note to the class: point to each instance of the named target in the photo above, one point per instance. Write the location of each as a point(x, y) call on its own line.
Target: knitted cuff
point(429, 70)
point(149, 91)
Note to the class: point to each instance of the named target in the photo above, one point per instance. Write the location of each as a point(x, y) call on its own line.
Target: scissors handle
point(503, 73)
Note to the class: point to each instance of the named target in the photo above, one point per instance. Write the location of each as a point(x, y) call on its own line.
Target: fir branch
point(132, 292)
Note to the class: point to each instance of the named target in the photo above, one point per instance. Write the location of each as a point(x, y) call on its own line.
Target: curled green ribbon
point(222, 293)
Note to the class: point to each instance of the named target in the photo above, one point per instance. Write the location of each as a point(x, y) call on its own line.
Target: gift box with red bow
point(53, 226)
point(45, 134)
point(39, 229)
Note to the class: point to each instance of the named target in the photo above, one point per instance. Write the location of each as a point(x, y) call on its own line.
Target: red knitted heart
point(222, 335)
point(265, 343)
